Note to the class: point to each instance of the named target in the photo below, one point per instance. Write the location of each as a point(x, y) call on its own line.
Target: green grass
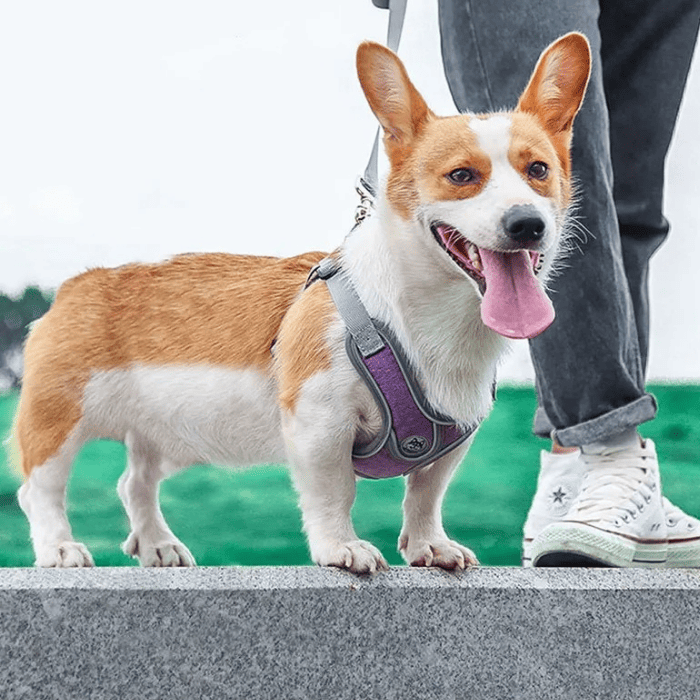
point(250, 517)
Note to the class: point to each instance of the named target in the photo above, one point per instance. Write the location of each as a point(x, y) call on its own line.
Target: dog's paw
point(63, 555)
point(443, 553)
point(164, 552)
point(357, 556)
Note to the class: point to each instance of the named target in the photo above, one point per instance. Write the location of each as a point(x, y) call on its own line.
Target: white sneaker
point(558, 485)
point(616, 516)
point(683, 537)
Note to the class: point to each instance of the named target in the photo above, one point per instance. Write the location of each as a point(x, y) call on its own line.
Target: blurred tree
point(15, 317)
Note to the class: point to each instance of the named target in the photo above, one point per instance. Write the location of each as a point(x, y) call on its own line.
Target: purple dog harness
point(412, 434)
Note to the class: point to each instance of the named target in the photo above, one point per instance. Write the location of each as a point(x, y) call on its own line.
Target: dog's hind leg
point(423, 541)
point(42, 497)
point(151, 541)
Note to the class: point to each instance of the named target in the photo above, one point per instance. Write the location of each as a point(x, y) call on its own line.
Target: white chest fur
point(433, 312)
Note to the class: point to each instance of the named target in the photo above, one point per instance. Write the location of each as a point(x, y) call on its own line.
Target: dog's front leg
point(319, 455)
point(423, 541)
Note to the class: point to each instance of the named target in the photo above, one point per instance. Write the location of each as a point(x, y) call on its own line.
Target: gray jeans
point(591, 363)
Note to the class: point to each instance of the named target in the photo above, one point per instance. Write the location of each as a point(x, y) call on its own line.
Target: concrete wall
point(311, 633)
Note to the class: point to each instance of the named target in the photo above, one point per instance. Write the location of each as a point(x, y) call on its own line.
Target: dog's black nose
point(523, 224)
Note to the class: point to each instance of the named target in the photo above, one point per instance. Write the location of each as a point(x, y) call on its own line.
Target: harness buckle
point(323, 270)
point(326, 268)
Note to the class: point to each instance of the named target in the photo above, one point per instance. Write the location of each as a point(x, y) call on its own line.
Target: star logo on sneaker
point(559, 495)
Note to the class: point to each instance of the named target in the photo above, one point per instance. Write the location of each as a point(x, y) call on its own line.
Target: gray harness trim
point(387, 436)
point(364, 338)
point(351, 309)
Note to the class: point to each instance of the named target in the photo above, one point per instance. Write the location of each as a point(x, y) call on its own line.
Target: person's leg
point(588, 365)
point(646, 49)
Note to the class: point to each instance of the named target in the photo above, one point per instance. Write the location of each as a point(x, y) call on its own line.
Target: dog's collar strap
point(412, 434)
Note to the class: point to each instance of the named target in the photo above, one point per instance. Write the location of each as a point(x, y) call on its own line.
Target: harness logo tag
point(414, 445)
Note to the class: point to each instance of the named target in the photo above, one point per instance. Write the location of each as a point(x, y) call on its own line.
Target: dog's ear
point(398, 106)
point(557, 86)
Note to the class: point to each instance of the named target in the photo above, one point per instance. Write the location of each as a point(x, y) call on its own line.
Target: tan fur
point(554, 96)
point(447, 144)
point(212, 309)
point(442, 145)
point(403, 114)
point(301, 348)
point(529, 143)
point(423, 147)
point(400, 108)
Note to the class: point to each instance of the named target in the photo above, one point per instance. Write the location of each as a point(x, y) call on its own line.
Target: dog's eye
point(538, 170)
point(463, 176)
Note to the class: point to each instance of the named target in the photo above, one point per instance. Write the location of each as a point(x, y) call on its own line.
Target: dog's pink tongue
point(514, 303)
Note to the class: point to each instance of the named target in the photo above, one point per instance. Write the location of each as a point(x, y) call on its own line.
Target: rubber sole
point(578, 544)
point(570, 559)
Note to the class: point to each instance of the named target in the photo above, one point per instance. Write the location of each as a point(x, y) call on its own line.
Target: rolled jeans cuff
point(600, 428)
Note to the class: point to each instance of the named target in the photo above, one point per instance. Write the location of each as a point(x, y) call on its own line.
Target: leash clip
point(366, 205)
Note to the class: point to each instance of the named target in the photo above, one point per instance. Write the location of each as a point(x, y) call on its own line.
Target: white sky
point(137, 130)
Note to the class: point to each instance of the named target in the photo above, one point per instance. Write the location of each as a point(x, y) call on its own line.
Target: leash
point(367, 185)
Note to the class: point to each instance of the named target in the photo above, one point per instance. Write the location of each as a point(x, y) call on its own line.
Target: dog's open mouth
point(514, 303)
point(468, 256)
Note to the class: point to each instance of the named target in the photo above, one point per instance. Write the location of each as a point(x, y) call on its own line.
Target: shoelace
point(617, 486)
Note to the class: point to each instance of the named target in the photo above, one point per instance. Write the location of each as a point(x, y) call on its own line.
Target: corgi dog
point(233, 360)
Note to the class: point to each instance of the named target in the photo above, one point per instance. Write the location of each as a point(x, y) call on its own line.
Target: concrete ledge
point(314, 633)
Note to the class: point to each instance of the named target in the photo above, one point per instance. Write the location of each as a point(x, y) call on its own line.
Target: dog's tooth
point(474, 256)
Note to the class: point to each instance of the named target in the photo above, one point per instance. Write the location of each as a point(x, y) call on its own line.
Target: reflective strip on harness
point(412, 435)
